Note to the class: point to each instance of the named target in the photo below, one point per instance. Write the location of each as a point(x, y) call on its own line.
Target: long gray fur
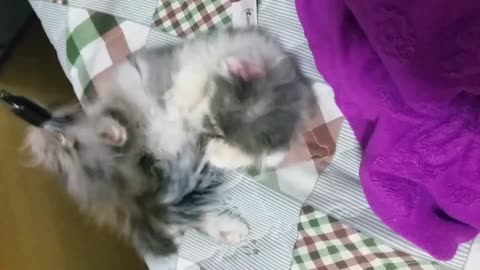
point(151, 201)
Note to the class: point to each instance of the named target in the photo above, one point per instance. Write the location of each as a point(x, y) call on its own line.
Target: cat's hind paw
point(225, 227)
point(234, 232)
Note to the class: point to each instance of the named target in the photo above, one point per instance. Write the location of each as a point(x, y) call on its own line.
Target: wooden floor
point(40, 228)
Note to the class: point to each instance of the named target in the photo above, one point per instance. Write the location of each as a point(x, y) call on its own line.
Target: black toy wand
point(26, 109)
point(35, 114)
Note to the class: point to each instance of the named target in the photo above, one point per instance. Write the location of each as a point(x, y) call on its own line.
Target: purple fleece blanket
point(406, 74)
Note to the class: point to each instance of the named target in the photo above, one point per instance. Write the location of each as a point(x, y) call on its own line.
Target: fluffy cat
point(247, 88)
point(108, 166)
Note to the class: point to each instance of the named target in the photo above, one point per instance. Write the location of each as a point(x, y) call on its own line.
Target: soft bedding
point(406, 76)
point(308, 214)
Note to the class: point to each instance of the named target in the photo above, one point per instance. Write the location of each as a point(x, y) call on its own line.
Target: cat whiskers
point(119, 155)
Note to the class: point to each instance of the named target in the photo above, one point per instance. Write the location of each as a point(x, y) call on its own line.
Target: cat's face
point(257, 105)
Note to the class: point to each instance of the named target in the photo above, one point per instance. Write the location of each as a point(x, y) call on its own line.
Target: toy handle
point(26, 109)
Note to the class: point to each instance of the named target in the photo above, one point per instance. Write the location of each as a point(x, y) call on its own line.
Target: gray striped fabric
point(272, 219)
point(54, 21)
point(160, 39)
point(338, 193)
point(279, 17)
point(140, 11)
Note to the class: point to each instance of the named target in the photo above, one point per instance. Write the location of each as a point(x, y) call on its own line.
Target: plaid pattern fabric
point(95, 42)
point(184, 18)
point(326, 244)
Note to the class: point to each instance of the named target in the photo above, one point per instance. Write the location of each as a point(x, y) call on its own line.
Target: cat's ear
point(243, 68)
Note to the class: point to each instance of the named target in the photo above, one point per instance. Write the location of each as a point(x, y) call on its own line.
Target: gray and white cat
point(133, 159)
point(106, 164)
point(241, 81)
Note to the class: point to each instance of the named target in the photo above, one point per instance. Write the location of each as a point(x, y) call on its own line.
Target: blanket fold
point(406, 74)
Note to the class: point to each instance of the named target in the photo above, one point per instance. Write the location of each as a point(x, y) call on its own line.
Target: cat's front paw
point(115, 135)
point(224, 155)
point(176, 106)
point(181, 100)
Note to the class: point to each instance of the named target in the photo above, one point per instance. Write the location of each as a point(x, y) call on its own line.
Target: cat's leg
point(190, 88)
point(164, 259)
point(224, 226)
point(158, 242)
point(223, 155)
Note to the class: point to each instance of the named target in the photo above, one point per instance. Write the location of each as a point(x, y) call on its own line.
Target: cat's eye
point(76, 145)
point(268, 139)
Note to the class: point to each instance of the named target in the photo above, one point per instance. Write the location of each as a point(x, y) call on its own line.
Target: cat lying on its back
point(107, 165)
point(133, 160)
point(239, 85)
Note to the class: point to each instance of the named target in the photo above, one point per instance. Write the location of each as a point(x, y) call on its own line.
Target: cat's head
point(87, 149)
point(259, 101)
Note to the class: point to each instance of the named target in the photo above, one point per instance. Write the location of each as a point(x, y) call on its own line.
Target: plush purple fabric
point(406, 74)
